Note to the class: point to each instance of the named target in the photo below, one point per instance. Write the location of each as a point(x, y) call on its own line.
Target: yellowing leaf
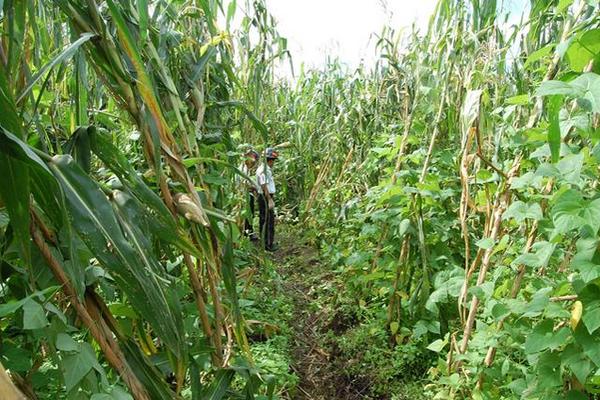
point(576, 314)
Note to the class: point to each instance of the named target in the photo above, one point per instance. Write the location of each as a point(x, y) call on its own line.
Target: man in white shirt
point(251, 188)
point(266, 198)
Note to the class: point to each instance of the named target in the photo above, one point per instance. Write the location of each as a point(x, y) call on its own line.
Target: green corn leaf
point(9, 117)
point(15, 14)
point(229, 278)
point(144, 83)
point(202, 63)
point(218, 388)
point(142, 8)
point(79, 148)
point(95, 222)
point(15, 192)
point(165, 228)
point(148, 374)
point(554, 139)
point(49, 197)
point(65, 54)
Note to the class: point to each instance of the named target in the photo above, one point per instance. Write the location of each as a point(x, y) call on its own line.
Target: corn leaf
point(95, 222)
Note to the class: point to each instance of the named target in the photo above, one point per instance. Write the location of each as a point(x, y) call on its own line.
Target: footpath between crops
point(310, 287)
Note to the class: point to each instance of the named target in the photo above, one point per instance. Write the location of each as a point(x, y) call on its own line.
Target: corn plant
point(117, 248)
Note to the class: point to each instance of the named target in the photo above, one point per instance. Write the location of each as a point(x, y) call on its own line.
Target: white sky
point(316, 29)
point(344, 28)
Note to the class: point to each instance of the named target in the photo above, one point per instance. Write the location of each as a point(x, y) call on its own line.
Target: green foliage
point(119, 260)
point(452, 190)
point(366, 355)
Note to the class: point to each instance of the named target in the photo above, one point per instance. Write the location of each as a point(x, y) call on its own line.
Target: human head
point(250, 158)
point(271, 155)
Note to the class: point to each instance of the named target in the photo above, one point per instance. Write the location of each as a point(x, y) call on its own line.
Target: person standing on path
point(266, 199)
point(251, 188)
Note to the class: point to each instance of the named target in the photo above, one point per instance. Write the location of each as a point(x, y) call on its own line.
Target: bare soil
point(315, 361)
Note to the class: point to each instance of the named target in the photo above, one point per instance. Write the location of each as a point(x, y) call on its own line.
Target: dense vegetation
point(452, 191)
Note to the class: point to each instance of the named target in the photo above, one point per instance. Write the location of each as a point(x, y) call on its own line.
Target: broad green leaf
point(78, 364)
point(521, 211)
point(550, 88)
point(437, 345)
point(65, 342)
point(585, 87)
point(588, 270)
point(589, 343)
point(528, 259)
point(483, 291)
point(538, 257)
point(101, 396)
point(570, 168)
point(575, 394)
point(574, 359)
point(500, 311)
point(591, 318)
point(589, 85)
point(16, 358)
point(584, 48)
point(123, 310)
point(548, 371)
point(34, 316)
point(543, 337)
point(485, 243)
point(537, 304)
point(11, 307)
point(404, 227)
point(572, 211)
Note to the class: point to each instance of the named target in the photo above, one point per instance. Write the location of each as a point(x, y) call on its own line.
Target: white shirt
point(264, 176)
point(243, 182)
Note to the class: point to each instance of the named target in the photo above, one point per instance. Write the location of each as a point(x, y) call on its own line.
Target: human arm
point(270, 202)
point(263, 181)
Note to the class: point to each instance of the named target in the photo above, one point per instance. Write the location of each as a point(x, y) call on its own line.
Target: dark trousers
point(248, 229)
point(267, 221)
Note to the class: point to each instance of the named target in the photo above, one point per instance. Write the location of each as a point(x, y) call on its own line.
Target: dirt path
point(308, 284)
